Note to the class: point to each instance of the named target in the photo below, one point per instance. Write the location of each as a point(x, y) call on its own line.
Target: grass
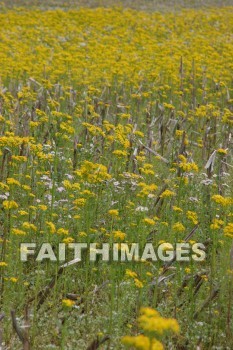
point(116, 126)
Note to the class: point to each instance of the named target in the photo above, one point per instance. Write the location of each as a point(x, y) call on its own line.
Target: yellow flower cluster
point(119, 235)
point(178, 227)
point(187, 166)
point(228, 230)
point(146, 189)
point(224, 201)
point(152, 324)
point(151, 321)
point(167, 193)
point(68, 303)
point(142, 342)
point(216, 224)
point(7, 205)
point(134, 275)
point(93, 172)
point(192, 216)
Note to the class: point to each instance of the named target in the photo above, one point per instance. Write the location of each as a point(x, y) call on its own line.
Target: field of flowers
point(116, 125)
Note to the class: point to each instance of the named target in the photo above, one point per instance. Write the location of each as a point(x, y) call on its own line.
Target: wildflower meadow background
point(116, 125)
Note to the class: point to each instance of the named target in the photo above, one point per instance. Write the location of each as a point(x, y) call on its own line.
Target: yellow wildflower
point(167, 193)
point(153, 322)
point(62, 231)
point(119, 234)
point(224, 201)
point(228, 230)
point(3, 264)
point(192, 216)
point(178, 227)
point(138, 283)
point(51, 227)
point(177, 209)
point(18, 232)
point(130, 273)
point(113, 212)
point(217, 223)
point(68, 302)
point(149, 221)
point(222, 151)
point(119, 153)
point(12, 181)
point(7, 205)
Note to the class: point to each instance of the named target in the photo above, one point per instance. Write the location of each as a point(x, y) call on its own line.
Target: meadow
point(116, 127)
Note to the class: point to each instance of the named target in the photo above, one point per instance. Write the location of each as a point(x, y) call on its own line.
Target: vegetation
point(116, 126)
